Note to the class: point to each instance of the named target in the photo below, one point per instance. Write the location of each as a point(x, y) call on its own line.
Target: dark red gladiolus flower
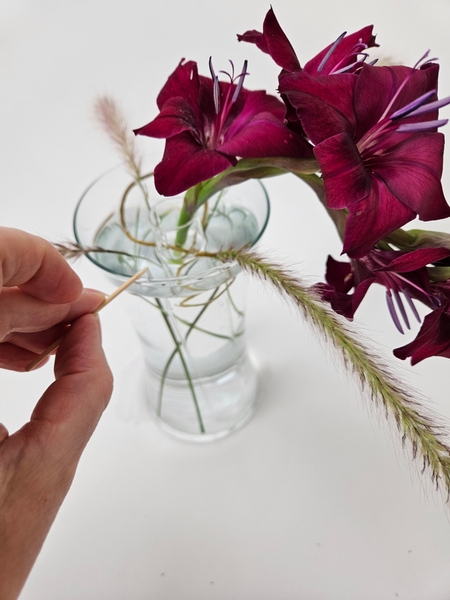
point(346, 54)
point(403, 274)
point(209, 124)
point(377, 146)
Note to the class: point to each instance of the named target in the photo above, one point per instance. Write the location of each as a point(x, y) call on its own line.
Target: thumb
point(70, 409)
point(38, 462)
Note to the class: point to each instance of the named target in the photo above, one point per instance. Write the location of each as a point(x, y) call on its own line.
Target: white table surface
point(314, 499)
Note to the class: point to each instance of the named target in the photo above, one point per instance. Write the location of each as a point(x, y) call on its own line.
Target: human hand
point(40, 297)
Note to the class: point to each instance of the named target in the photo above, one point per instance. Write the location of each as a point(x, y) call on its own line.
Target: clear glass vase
point(189, 308)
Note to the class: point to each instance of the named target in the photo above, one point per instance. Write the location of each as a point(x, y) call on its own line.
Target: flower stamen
point(216, 88)
point(392, 311)
point(412, 106)
point(390, 122)
point(411, 305)
point(330, 51)
point(240, 84)
point(401, 308)
point(357, 51)
point(222, 109)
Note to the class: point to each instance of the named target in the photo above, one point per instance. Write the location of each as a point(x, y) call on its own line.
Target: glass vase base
point(224, 403)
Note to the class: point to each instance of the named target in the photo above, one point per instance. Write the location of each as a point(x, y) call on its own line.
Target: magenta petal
point(339, 275)
point(183, 83)
point(340, 302)
point(259, 131)
point(374, 90)
point(346, 181)
point(432, 339)
point(175, 116)
point(416, 259)
point(252, 36)
point(273, 41)
point(254, 103)
point(432, 349)
point(278, 45)
point(431, 71)
point(266, 136)
point(360, 291)
point(413, 169)
point(185, 163)
point(372, 218)
point(205, 101)
point(324, 104)
point(376, 87)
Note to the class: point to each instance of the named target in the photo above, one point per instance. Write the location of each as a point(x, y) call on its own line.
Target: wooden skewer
point(34, 363)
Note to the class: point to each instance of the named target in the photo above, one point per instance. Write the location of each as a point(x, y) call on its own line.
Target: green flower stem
point(338, 217)
point(206, 331)
point(163, 380)
point(233, 304)
point(246, 168)
point(194, 326)
point(439, 274)
point(418, 238)
point(183, 220)
point(401, 238)
point(172, 356)
point(183, 361)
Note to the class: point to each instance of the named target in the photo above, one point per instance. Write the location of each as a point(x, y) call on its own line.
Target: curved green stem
point(338, 217)
point(183, 362)
point(177, 350)
point(246, 168)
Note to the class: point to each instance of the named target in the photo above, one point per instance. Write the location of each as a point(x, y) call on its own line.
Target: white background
point(314, 499)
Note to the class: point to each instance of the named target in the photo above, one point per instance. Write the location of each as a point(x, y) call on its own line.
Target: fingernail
point(94, 291)
point(97, 294)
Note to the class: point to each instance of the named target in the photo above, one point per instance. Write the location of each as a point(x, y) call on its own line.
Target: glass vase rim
point(176, 280)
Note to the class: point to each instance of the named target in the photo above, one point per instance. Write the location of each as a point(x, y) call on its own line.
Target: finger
point(37, 342)
point(22, 313)
point(69, 410)
point(38, 462)
point(34, 265)
point(3, 433)
point(15, 358)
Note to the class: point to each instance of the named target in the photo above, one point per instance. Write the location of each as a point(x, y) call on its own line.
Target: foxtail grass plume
point(116, 127)
point(415, 424)
point(427, 439)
